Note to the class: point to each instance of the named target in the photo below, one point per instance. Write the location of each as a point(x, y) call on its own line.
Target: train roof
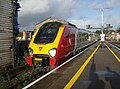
point(84, 30)
point(50, 19)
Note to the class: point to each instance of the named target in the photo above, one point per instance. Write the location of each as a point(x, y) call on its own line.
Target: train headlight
point(52, 52)
point(30, 51)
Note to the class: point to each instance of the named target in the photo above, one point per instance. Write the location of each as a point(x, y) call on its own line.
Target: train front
point(43, 46)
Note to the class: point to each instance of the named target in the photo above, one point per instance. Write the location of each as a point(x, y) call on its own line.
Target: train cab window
point(67, 34)
point(47, 33)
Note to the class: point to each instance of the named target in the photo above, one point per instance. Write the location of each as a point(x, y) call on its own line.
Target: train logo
point(40, 48)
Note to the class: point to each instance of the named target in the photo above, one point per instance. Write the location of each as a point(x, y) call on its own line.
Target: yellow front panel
point(38, 59)
point(46, 47)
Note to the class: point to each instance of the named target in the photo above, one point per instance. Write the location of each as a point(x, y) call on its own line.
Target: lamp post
point(102, 35)
point(102, 25)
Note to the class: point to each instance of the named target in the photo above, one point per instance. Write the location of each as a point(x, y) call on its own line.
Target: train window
point(47, 33)
point(67, 34)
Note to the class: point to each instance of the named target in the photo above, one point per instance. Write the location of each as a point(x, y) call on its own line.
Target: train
point(54, 41)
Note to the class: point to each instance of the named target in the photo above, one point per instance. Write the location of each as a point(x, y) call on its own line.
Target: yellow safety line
point(113, 53)
point(79, 72)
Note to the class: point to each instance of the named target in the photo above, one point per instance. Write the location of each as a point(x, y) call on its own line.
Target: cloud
point(106, 4)
point(34, 11)
point(110, 16)
point(113, 3)
point(114, 21)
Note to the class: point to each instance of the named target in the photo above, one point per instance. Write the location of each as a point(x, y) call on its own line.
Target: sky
point(78, 12)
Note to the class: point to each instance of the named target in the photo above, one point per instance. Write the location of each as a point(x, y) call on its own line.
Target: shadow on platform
point(96, 83)
point(113, 78)
point(110, 76)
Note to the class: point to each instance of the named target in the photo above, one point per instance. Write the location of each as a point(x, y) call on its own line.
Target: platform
point(101, 71)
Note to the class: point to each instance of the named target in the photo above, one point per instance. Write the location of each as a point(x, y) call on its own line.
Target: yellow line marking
point(113, 53)
point(79, 72)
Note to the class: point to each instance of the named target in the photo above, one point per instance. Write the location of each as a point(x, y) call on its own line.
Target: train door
point(65, 44)
point(71, 39)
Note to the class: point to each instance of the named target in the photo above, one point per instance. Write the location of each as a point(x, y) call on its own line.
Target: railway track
point(19, 77)
point(116, 44)
point(26, 77)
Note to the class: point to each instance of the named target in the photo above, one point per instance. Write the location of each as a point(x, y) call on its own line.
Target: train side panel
point(82, 41)
point(66, 45)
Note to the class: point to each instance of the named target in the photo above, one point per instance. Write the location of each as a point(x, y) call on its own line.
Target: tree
point(98, 32)
point(104, 31)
